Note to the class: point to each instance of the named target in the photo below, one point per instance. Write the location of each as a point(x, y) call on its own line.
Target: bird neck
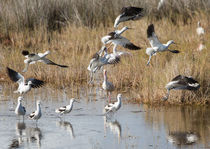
point(121, 31)
point(115, 49)
point(38, 108)
point(168, 44)
point(105, 77)
point(119, 100)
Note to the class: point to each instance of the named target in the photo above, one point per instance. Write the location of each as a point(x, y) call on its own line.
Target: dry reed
point(76, 37)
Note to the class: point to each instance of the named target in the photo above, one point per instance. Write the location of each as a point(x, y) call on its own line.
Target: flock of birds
point(100, 59)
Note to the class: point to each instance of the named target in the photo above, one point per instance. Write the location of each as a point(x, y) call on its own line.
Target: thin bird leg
point(91, 78)
point(109, 97)
point(149, 60)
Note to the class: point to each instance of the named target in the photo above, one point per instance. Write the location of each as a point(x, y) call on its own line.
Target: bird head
point(29, 82)
point(72, 100)
point(119, 96)
point(38, 102)
point(20, 98)
point(25, 52)
point(170, 42)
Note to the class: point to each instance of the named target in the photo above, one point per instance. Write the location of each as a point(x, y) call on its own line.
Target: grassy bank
point(73, 44)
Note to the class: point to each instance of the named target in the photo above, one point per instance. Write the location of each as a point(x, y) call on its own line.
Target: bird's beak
point(130, 28)
point(76, 101)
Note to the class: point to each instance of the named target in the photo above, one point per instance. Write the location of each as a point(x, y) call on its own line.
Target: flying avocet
point(24, 85)
point(32, 58)
point(98, 61)
point(156, 45)
point(116, 38)
point(181, 83)
point(128, 13)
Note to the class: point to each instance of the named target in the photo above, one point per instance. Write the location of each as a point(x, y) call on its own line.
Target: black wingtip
point(150, 30)
point(25, 52)
point(11, 73)
point(132, 47)
point(63, 66)
point(174, 51)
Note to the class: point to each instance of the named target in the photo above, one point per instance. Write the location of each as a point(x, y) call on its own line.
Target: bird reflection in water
point(20, 133)
point(182, 138)
point(34, 134)
point(114, 126)
point(66, 126)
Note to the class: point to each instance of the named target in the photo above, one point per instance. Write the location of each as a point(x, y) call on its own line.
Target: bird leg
point(91, 78)
point(167, 95)
point(149, 60)
point(109, 97)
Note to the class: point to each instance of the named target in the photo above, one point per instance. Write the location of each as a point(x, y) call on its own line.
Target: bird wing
point(24, 109)
point(179, 77)
point(35, 82)
point(152, 37)
point(43, 54)
point(49, 62)
point(113, 59)
point(124, 42)
point(61, 109)
point(32, 115)
point(131, 11)
point(15, 76)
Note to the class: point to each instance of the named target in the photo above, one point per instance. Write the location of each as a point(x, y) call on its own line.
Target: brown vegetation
point(72, 32)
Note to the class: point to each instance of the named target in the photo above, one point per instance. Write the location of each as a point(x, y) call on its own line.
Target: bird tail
point(57, 111)
point(174, 51)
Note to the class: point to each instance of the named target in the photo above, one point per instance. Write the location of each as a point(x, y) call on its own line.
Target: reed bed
point(72, 39)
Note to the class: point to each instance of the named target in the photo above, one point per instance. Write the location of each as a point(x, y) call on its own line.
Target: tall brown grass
point(72, 32)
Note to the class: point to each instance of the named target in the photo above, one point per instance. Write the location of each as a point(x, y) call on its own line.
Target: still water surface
point(133, 126)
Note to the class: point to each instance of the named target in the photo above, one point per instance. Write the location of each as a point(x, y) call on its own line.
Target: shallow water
point(133, 126)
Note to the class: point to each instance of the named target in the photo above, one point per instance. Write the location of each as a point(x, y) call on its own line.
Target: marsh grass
point(74, 43)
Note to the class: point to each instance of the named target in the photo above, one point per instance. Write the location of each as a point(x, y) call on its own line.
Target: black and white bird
point(113, 107)
point(156, 45)
point(20, 110)
point(129, 13)
point(116, 38)
point(98, 61)
point(24, 85)
point(200, 30)
point(66, 109)
point(107, 86)
point(36, 115)
point(181, 83)
point(32, 58)
point(115, 56)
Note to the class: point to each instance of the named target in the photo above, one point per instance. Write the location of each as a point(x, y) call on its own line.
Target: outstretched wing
point(125, 43)
point(152, 37)
point(15, 76)
point(35, 82)
point(49, 62)
point(131, 11)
